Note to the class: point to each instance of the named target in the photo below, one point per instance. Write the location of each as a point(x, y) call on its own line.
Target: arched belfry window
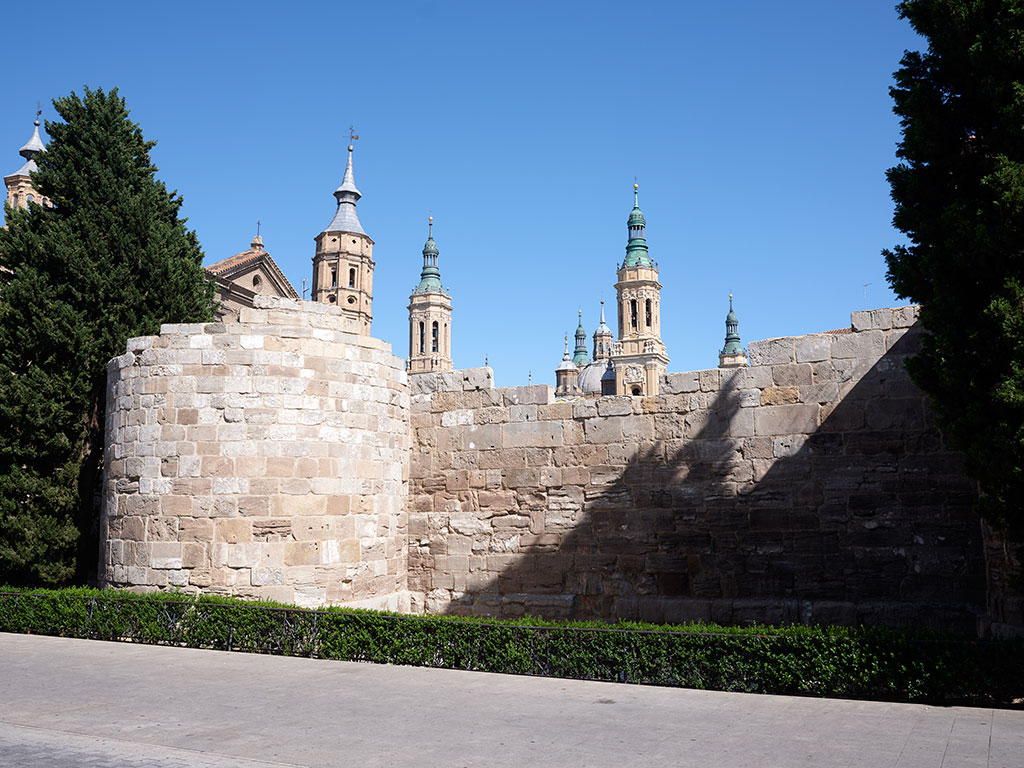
point(649, 324)
point(334, 278)
point(421, 338)
point(433, 337)
point(352, 278)
point(633, 314)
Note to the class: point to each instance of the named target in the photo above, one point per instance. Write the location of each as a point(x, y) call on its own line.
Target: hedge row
point(820, 661)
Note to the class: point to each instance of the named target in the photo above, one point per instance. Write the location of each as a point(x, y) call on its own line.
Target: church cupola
point(732, 355)
point(567, 375)
point(430, 277)
point(430, 315)
point(343, 264)
point(636, 247)
point(580, 357)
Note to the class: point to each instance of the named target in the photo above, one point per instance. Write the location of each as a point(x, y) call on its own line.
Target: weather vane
point(352, 135)
point(39, 109)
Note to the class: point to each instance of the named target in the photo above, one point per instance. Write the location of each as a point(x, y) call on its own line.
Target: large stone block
point(679, 383)
point(874, 319)
point(477, 378)
point(771, 351)
point(540, 434)
point(865, 344)
point(813, 349)
point(786, 420)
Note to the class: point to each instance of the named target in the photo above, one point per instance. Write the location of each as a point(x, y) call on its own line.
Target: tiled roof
point(238, 263)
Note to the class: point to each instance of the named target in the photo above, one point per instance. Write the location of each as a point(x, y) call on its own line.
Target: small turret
point(732, 355)
point(603, 339)
point(580, 357)
point(430, 277)
point(567, 375)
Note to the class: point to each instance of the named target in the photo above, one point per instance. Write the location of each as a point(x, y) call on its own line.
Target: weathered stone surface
point(786, 420)
point(279, 419)
point(780, 395)
point(679, 383)
point(308, 466)
point(771, 351)
point(813, 349)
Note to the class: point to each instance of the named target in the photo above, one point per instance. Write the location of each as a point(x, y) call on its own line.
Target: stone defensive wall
point(810, 486)
point(265, 458)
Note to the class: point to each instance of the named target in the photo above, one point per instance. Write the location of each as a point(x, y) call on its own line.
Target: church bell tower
point(343, 264)
point(430, 316)
point(639, 357)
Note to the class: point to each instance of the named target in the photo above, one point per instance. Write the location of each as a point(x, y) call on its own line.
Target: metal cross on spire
point(257, 227)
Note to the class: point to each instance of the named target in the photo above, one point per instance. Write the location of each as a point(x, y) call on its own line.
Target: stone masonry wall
point(265, 458)
point(810, 486)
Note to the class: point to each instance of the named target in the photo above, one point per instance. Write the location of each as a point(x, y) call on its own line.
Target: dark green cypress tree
point(110, 260)
point(959, 194)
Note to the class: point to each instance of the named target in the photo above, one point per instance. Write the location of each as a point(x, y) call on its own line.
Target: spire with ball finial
point(430, 277)
point(636, 248)
point(732, 354)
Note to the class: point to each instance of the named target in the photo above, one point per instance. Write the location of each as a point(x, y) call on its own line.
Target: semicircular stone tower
point(266, 458)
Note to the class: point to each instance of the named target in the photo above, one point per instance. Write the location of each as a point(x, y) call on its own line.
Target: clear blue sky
point(759, 132)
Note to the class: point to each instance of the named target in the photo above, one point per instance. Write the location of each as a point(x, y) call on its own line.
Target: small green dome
point(636, 248)
point(430, 247)
point(430, 277)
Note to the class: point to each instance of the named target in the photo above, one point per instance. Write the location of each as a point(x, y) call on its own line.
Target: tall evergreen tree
point(110, 260)
point(959, 194)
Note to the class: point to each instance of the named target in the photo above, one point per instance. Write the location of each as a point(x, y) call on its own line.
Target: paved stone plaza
point(88, 703)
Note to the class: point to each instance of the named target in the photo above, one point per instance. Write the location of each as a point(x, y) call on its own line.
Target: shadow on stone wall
point(865, 520)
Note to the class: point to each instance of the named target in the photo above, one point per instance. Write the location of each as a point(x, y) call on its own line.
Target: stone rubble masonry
point(265, 458)
point(285, 457)
point(810, 486)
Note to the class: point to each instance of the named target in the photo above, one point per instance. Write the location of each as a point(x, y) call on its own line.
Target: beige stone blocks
point(550, 470)
point(245, 455)
point(286, 457)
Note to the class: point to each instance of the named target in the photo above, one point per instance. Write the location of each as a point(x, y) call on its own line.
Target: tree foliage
point(959, 194)
point(110, 260)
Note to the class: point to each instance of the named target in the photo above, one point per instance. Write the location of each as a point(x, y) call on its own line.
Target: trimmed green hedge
point(808, 660)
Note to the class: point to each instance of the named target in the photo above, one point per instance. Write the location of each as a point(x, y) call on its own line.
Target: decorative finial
point(258, 227)
point(529, 377)
point(39, 111)
point(730, 302)
point(486, 361)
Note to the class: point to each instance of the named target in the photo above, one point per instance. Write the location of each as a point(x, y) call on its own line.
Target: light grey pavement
point(79, 703)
